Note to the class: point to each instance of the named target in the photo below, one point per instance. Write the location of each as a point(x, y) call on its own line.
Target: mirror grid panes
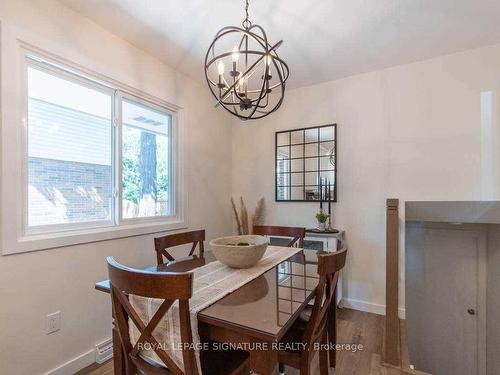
point(303, 157)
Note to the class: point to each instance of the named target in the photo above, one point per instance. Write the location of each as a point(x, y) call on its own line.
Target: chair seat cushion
point(221, 362)
point(294, 335)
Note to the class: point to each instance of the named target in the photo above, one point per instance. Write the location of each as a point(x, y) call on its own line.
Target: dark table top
point(266, 304)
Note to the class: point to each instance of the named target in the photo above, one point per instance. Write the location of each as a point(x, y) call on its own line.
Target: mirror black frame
point(318, 158)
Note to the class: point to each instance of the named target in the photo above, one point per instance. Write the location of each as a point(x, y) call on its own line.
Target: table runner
point(212, 282)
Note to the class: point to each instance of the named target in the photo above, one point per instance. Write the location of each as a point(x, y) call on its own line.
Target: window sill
point(35, 242)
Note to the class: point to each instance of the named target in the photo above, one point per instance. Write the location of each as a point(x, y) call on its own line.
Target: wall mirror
point(303, 157)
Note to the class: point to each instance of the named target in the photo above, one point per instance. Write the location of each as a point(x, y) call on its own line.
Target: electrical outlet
point(53, 322)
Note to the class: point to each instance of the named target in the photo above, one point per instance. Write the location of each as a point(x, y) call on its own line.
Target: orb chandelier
point(244, 72)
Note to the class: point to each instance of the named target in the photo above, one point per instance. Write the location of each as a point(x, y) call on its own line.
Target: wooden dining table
point(254, 317)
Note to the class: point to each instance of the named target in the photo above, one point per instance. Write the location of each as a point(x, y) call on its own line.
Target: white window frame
point(82, 81)
point(16, 236)
point(172, 191)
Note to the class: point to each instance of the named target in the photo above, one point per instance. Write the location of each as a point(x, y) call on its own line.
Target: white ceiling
point(323, 39)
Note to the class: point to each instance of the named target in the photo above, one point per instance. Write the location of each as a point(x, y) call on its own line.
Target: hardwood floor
point(104, 369)
point(354, 327)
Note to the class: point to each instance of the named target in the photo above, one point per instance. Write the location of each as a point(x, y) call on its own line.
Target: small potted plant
point(322, 218)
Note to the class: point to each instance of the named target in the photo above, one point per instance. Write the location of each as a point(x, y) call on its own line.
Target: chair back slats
point(296, 234)
point(329, 266)
point(162, 244)
point(167, 286)
point(328, 300)
point(147, 331)
point(193, 248)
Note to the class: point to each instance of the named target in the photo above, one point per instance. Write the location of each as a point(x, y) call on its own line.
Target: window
point(70, 176)
point(96, 156)
point(146, 161)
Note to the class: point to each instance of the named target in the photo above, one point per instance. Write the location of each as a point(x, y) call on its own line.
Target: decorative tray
point(316, 230)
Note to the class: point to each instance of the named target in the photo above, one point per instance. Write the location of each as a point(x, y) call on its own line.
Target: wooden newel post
point(392, 347)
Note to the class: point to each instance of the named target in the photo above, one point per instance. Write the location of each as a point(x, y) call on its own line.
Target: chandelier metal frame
point(234, 94)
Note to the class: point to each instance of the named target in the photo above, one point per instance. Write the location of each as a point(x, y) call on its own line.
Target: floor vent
point(104, 351)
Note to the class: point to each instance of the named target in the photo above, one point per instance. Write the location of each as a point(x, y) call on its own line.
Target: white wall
point(35, 284)
point(422, 131)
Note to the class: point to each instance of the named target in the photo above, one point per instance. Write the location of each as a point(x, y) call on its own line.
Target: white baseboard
point(75, 364)
point(370, 307)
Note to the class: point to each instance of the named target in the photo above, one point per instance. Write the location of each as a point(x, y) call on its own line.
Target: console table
point(326, 241)
point(318, 241)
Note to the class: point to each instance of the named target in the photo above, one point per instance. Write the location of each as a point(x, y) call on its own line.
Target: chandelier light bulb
point(220, 67)
point(242, 83)
point(236, 54)
point(269, 60)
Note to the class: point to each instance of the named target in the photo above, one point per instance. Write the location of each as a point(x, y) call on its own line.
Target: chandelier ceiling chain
point(246, 22)
point(254, 87)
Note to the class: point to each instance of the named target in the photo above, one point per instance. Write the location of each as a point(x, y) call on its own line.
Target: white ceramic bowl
point(227, 250)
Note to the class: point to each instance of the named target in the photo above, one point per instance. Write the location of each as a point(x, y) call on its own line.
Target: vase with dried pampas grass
point(241, 217)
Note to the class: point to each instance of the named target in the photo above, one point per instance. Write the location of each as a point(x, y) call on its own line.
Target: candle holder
point(329, 226)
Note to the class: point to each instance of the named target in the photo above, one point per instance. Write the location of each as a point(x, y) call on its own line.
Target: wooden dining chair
point(162, 244)
point(296, 234)
point(170, 287)
point(313, 333)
